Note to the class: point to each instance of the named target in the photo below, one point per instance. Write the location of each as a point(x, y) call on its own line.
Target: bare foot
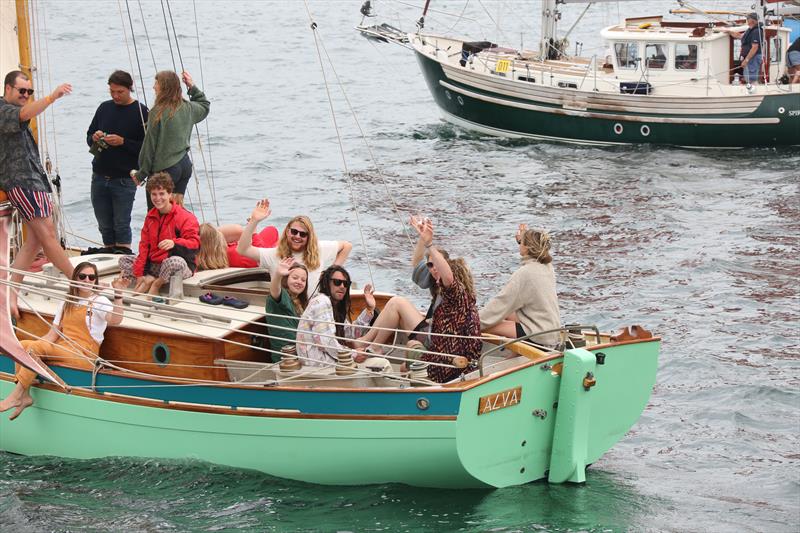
point(19, 400)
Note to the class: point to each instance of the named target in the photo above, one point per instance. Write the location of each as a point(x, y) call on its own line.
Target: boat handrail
point(563, 329)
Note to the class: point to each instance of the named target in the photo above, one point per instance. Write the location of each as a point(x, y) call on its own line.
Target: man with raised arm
point(22, 176)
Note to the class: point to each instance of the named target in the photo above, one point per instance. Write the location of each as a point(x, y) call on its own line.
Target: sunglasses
point(303, 234)
point(23, 92)
point(90, 277)
point(340, 282)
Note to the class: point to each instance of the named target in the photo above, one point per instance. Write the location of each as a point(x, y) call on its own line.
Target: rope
point(147, 35)
point(166, 26)
point(369, 147)
point(136, 51)
point(130, 57)
point(339, 138)
point(210, 167)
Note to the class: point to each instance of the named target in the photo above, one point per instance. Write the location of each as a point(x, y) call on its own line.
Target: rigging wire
point(166, 26)
point(210, 167)
point(313, 26)
point(136, 52)
point(130, 58)
point(147, 35)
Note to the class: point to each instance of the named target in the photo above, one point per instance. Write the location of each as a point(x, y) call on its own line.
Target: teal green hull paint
point(538, 124)
point(491, 445)
point(506, 447)
point(491, 448)
point(334, 452)
point(571, 433)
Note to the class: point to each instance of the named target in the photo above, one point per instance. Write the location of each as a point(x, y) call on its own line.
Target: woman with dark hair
point(286, 302)
point(325, 325)
point(166, 143)
point(115, 137)
point(76, 333)
point(528, 303)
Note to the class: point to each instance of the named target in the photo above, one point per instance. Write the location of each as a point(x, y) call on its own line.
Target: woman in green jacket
point(169, 129)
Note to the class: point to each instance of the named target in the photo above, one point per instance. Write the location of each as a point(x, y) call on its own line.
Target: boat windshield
point(627, 54)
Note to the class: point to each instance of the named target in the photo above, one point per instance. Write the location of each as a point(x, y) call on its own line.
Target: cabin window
point(775, 53)
point(686, 56)
point(655, 56)
point(627, 54)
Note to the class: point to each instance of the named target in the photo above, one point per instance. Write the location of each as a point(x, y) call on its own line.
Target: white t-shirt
point(100, 306)
point(268, 258)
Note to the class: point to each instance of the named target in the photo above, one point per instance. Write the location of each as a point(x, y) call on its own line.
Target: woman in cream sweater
point(528, 303)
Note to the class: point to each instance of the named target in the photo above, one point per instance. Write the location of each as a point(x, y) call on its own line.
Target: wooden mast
point(24, 38)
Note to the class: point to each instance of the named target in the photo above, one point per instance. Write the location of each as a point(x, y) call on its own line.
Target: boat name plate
point(499, 400)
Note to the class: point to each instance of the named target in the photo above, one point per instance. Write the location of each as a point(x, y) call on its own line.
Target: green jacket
point(167, 141)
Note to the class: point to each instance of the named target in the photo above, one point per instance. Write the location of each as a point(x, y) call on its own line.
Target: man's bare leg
point(45, 232)
point(25, 256)
point(19, 400)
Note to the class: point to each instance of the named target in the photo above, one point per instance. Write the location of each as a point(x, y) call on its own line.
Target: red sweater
point(180, 226)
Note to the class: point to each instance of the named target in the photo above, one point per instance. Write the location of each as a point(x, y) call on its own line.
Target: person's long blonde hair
point(169, 97)
point(311, 253)
point(213, 249)
point(537, 245)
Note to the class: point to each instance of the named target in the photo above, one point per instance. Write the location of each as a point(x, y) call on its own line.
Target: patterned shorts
point(30, 204)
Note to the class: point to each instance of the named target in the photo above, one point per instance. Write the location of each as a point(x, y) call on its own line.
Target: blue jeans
point(752, 69)
point(112, 199)
point(180, 173)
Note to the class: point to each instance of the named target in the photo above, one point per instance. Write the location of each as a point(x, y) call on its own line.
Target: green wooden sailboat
point(186, 380)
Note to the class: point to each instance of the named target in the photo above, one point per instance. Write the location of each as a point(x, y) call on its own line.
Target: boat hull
point(775, 121)
point(422, 437)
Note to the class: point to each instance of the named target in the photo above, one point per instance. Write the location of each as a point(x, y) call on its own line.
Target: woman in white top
point(76, 334)
point(298, 240)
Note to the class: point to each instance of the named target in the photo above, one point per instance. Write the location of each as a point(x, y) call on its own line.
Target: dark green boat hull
point(503, 116)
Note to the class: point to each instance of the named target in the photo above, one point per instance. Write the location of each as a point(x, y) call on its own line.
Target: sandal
point(211, 299)
point(234, 302)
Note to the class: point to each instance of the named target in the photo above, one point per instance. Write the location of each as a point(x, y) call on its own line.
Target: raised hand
point(284, 266)
point(521, 231)
point(369, 296)
point(187, 79)
point(261, 211)
point(61, 90)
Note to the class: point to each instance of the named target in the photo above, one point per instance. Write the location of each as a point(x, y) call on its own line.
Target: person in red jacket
point(169, 242)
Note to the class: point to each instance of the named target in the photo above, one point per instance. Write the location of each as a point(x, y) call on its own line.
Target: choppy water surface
point(700, 247)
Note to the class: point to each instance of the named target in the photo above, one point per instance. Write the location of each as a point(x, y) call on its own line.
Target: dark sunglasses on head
point(90, 277)
point(303, 234)
point(340, 282)
point(23, 92)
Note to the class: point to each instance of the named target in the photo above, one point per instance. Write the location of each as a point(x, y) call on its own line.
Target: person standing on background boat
point(793, 61)
point(528, 303)
point(115, 137)
point(76, 334)
point(298, 240)
point(24, 179)
point(169, 242)
point(169, 130)
point(750, 51)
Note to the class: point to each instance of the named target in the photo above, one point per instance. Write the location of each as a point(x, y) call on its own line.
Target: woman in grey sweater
point(528, 303)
